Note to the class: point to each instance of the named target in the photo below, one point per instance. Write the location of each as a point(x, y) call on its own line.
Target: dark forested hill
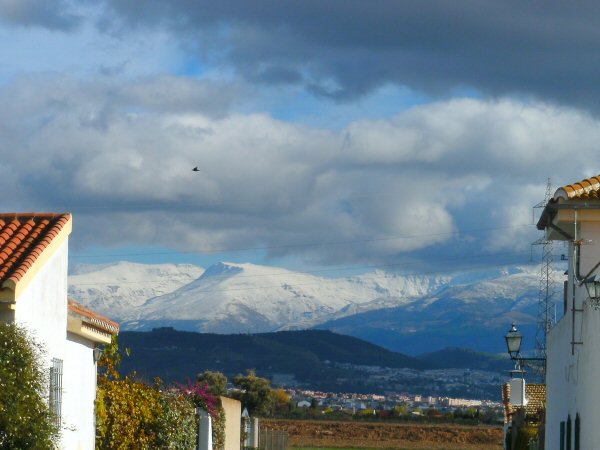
point(309, 357)
point(462, 358)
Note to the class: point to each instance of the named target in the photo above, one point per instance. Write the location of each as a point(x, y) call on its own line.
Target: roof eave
point(547, 215)
point(80, 327)
point(13, 287)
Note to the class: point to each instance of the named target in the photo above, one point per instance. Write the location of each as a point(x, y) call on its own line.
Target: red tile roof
point(23, 238)
point(536, 400)
point(93, 318)
point(536, 403)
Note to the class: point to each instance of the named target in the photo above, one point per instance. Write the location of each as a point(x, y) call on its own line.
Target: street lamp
point(97, 354)
point(593, 287)
point(513, 341)
point(513, 344)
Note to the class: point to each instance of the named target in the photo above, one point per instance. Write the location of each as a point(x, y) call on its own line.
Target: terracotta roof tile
point(23, 237)
point(536, 402)
point(93, 318)
point(584, 189)
point(506, 402)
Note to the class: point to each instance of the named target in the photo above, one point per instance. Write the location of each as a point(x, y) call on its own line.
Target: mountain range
point(411, 314)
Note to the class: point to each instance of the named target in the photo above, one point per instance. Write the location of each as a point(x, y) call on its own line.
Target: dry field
point(400, 436)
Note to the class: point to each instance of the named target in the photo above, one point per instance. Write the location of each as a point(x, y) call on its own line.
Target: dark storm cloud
point(50, 14)
point(345, 48)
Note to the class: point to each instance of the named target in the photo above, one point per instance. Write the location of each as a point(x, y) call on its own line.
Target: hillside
point(461, 358)
point(302, 357)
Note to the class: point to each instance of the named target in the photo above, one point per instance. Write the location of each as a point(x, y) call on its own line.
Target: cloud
point(49, 14)
point(347, 49)
point(120, 157)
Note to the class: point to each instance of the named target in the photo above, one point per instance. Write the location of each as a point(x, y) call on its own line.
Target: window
point(577, 431)
point(565, 297)
point(569, 432)
point(56, 373)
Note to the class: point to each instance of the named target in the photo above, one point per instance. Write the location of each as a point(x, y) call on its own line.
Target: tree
point(216, 382)
point(401, 410)
point(255, 393)
point(282, 403)
point(26, 421)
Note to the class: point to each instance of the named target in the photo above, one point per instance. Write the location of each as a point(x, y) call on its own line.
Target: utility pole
point(545, 319)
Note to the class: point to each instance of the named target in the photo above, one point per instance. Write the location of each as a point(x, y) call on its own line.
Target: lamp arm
point(531, 359)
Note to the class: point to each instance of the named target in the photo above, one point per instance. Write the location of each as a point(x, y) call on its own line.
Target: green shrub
point(178, 422)
point(521, 437)
point(25, 418)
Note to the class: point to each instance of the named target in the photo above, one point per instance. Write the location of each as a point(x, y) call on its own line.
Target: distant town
point(406, 404)
point(477, 385)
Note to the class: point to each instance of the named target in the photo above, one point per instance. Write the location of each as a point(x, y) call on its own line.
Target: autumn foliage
point(133, 415)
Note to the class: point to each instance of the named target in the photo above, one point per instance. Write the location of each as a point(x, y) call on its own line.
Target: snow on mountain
point(387, 308)
point(467, 312)
point(230, 298)
point(116, 289)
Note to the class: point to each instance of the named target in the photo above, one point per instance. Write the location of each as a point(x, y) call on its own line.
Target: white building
point(33, 293)
point(573, 344)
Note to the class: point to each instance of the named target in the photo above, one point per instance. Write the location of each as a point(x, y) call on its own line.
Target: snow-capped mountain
point(473, 314)
point(116, 289)
point(390, 309)
point(232, 298)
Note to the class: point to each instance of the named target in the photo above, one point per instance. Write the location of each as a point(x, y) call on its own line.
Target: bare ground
point(400, 436)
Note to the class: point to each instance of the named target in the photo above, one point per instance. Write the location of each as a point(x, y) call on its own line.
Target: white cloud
point(121, 156)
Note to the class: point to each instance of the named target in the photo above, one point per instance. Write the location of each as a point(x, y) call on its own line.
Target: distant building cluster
point(455, 383)
point(414, 403)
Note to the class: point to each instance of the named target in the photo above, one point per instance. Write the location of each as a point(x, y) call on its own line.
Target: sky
point(333, 136)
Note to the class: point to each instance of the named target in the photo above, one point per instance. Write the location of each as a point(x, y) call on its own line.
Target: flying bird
point(195, 169)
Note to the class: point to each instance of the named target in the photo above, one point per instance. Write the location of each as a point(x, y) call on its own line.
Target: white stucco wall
point(42, 309)
point(79, 393)
point(560, 381)
point(573, 372)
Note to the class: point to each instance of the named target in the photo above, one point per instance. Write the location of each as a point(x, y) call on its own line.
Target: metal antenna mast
point(545, 319)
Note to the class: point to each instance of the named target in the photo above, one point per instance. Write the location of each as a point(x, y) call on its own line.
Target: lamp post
point(97, 354)
point(592, 286)
point(514, 340)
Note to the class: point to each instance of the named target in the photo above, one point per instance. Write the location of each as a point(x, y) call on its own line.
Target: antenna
point(545, 318)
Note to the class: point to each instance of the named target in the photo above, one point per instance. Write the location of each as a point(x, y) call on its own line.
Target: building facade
point(33, 293)
point(573, 344)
